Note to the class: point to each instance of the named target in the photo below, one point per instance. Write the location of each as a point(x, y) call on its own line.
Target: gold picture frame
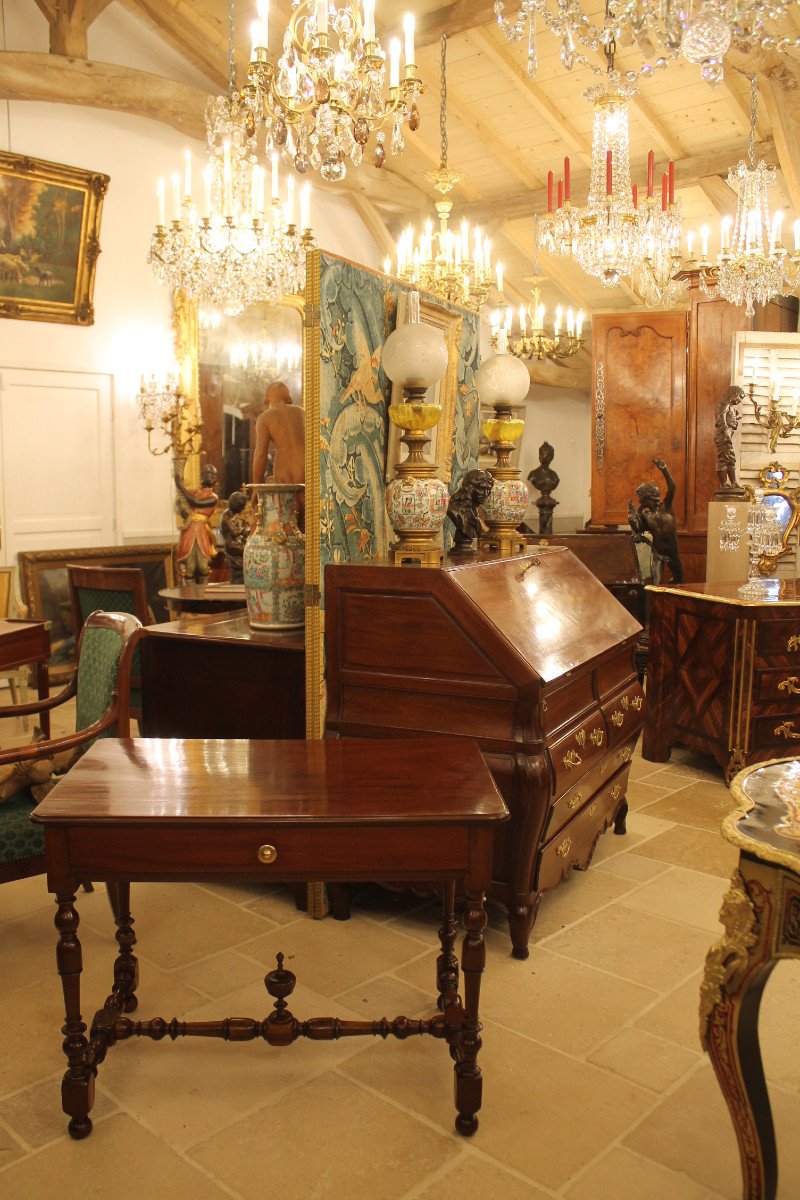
point(49, 225)
point(45, 589)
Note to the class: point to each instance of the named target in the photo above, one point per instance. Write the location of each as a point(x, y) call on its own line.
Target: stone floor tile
point(474, 1178)
point(650, 1061)
point(10, 1150)
point(691, 897)
point(632, 866)
point(25, 897)
point(36, 1116)
point(622, 1175)
point(219, 974)
point(698, 849)
point(676, 1016)
point(697, 804)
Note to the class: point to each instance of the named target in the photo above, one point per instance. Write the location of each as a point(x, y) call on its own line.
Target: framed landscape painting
point(49, 223)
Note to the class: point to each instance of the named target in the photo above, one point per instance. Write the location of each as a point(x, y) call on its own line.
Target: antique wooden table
point(195, 598)
point(723, 674)
point(153, 809)
point(761, 915)
point(23, 642)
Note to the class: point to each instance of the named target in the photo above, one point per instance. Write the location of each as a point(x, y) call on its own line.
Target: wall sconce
point(164, 408)
point(773, 418)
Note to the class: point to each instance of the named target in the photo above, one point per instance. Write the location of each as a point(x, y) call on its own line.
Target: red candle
point(664, 193)
point(560, 194)
point(549, 191)
point(566, 180)
point(609, 189)
point(651, 170)
point(671, 177)
point(635, 196)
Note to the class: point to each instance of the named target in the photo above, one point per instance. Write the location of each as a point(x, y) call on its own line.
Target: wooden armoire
point(656, 378)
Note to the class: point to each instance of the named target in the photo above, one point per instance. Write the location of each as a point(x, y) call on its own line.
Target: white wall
point(562, 417)
point(132, 332)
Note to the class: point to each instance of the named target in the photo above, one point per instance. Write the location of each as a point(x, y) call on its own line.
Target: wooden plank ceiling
point(504, 131)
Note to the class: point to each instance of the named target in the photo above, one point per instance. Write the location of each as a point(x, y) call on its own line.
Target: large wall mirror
point(232, 361)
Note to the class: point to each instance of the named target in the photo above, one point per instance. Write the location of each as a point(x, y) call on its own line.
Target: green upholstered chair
point(114, 589)
point(101, 686)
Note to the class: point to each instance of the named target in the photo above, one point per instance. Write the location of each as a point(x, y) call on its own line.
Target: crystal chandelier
point(455, 266)
point(532, 340)
point(326, 94)
point(237, 248)
point(752, 264)
point(701, 32)
point(615, 233)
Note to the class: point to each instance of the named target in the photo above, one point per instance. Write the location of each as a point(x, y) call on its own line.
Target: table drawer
point(323, 852)
point(781, 733)
point(563, 704)
point(573, 845)
point(779, 685)
point(780, 637)
point(572, 756)
point(624, 714)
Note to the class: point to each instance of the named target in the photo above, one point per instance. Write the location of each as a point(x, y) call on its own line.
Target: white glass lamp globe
point(502, 379)
point(415, 355)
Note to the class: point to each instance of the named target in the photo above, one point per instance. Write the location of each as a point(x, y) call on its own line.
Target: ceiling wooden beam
point(452, 19)
point(532, 93)
point(491, 140)
point(688, 171)
point(69, 22)
point(722, 197)
point(787, 139)
point(376, 226)
point(181, 26)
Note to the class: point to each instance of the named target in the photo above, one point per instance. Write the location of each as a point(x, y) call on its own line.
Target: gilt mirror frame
point(772, 479)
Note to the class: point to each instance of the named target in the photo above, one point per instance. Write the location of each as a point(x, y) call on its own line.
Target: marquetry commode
point(530, 656)
point(723, 674)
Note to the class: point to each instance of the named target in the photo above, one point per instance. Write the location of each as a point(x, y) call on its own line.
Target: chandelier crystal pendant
point(327, 93)
point(699, 32)
point(455, 266)
point(615, 234)
point(235, 247)
point(752, 265)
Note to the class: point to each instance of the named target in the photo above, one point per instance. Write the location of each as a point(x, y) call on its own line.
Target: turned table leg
point(126, 966)
point(447, 962)
point(77, 1087)
point(468, 1081)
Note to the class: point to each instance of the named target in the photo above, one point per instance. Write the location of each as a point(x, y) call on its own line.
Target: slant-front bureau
point(723, 675)
point(530, 656)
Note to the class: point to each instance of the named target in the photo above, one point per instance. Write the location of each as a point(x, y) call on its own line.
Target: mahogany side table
point(761, 916)
point(23, 642)
point(282, 811)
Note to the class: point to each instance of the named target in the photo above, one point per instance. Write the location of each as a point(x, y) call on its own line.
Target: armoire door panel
point(639, 409)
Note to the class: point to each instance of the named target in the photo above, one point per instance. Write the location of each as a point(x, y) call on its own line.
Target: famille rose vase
point(507, 503)
point(274, 560)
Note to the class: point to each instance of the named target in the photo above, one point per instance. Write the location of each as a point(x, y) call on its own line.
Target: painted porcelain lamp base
point(416, 501)
point(503, 382)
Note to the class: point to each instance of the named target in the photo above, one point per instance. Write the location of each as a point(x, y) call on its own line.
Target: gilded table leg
point(737, 968)
point(77, 1087)
point(468, 1081)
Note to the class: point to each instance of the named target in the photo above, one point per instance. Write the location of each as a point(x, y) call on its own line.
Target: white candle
point(322, 16)
point(369, 20)
point(690, 243)
point(290, 200)
point(704, 242)
point(777, 221)
point(557, 322)
point(408, 31)
point(464, 240)
point(207, 191)
point(187, 172)
point(275, 175)
point(726, 232)
point(263, 20)
point(487, 262)
point(161, 193)
point(176, 197)
point(305, 206)
point(387, 266)
point(255, 39)
point(394, 63)
point(540, 317)
point(522, 321)
point(579, 323)
point(500, 278)
point(507, 322)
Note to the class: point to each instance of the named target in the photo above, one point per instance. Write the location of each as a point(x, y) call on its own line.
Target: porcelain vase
point(274, 560)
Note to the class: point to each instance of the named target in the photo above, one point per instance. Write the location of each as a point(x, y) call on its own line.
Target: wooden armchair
point(112, 589)
point(100, 685)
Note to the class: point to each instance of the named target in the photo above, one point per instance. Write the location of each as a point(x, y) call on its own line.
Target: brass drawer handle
point(636, 703)
point(617, 718)
point(624, 702)
point(787, 730)
point(563, 849)
point(267, 854)
point(625, 754)
point(590, 810)
point(616, 791)
point(793, 642)
point(596, 736)
point(571, 759)
point(575, 801)
point(580, 737)
point(789, 685)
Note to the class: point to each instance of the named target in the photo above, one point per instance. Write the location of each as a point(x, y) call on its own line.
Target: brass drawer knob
point(590, 810)
point(617, 718)
point(636, 703)
point(575, 801)
point(267, 854)
point(563, 849)
point(787, 730)
point(625, 754)
point(596, 736)
point(616, 791)
point(580, 737)
point(571, 759)
point(624, 702)
point(793, 643)
point(789, 685)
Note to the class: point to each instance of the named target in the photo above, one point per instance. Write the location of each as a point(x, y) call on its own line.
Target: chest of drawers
point(723, 675)
point(530, 656)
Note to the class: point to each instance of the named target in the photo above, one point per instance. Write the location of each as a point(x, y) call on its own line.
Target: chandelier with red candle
point(617, 233)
